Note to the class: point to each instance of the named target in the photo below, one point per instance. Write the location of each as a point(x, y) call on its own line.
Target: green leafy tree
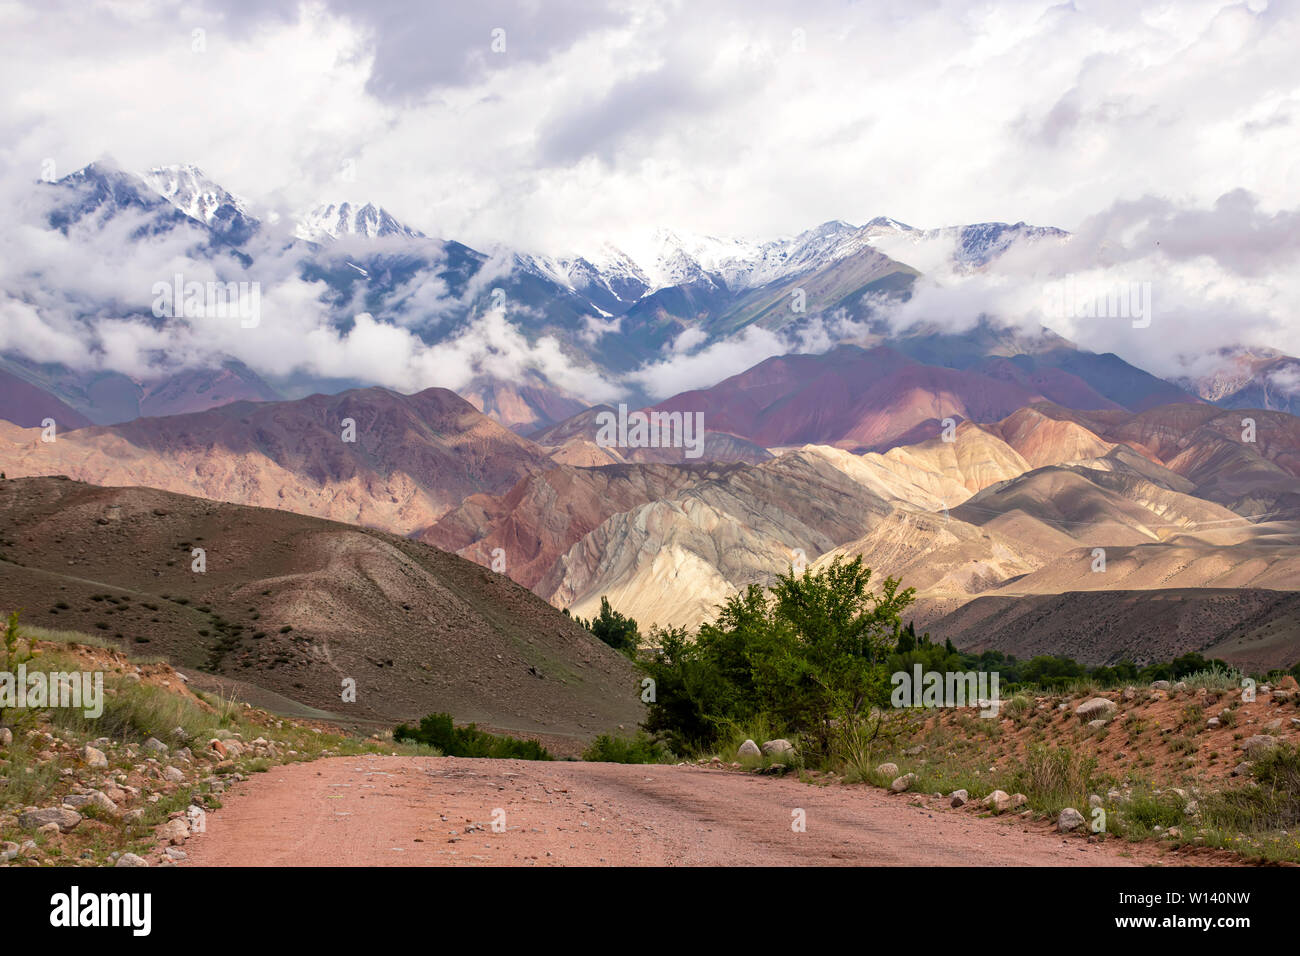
point(617, 630)
point(810, 649)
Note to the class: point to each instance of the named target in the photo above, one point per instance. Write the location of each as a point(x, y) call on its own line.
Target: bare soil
point(438, 811)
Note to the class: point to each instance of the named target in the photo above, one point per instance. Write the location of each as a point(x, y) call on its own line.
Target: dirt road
point(397, 811)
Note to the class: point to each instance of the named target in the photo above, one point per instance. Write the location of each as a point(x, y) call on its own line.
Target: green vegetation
point(15, 653)
point(639, 749)
point(1054, 777)
point(438, 731)
point(1271, 801)
point(808, 656)
point(616, 630)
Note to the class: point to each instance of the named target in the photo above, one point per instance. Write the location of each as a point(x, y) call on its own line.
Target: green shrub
point(1144, 811)
point(639, 749)
point(1054, 777)
point(1270, 802)
point(437, 730)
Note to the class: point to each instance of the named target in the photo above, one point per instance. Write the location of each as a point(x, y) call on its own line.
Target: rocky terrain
point(132, 788)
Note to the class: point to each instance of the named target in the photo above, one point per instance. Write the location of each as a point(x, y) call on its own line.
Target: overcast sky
point(602, 119)
point(556, 125)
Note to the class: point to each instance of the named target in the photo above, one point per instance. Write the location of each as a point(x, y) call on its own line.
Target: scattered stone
point(1241, 770)
point(960, 798)
point(1095, 801)
point(903, 783)
point(888, 770)
point(1096, 724)
point(749, 749)
point(1096, 707)
point(1258, 742)
point(96, 798)
point(154, 745)
point(175, 831)
point(1213, 722)
point(93, 757)
point(1160, 685)
point(65, 820)
point(1069, 820)
point(173, 775)
point(1018, 800)
point(779, 746)
point(176, 854)
point(6, 737)
point(999, 801)
point(8, 851)
point(130, 859)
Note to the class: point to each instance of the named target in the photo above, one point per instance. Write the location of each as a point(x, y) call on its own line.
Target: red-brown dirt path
point(437, 811)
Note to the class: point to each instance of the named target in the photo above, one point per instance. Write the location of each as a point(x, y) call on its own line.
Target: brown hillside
point(293, 605)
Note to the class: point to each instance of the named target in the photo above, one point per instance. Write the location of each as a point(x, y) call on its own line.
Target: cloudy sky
point(594, 119)
point(557, 125)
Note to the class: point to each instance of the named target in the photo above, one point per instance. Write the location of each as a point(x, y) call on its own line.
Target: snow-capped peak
point(885, 225)
point(339, 220)
point(189, 190)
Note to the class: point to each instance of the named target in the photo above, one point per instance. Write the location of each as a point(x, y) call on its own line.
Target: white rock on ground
point(903, 783)
point(175, 831)
point(1095, 708)
point(998, 801)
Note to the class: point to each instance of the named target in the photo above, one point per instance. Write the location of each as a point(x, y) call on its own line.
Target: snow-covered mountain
point(671, 258)
point(607, 276)
point(341, 220)
point(101, 191)
point(649, 292)
point(193, 193)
